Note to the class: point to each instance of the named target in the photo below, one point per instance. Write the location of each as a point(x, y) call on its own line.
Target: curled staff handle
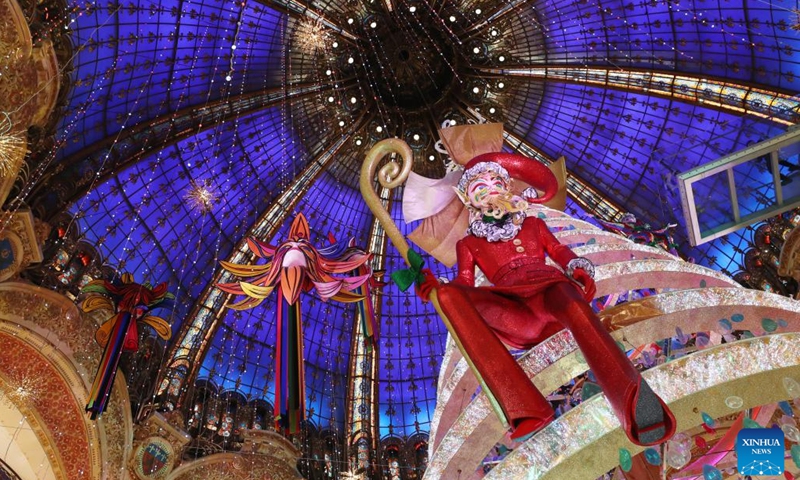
point(390, 176)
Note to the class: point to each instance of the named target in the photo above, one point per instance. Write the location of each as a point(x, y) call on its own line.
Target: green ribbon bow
point(405, 277)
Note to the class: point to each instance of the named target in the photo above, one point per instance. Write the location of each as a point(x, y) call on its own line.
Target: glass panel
point(713, 200)
point(755, 187)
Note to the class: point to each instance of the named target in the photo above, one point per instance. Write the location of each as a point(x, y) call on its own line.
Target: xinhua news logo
point(760, 451)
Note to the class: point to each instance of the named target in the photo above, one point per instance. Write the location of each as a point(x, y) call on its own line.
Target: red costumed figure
point(529, 300)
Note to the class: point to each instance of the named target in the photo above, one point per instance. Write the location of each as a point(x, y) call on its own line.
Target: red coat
point(515, 307)
point(516, 267)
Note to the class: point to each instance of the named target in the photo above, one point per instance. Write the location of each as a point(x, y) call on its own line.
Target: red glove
point(587, 282)
point(425, 288)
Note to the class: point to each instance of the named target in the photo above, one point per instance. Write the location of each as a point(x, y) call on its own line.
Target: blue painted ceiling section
point(146, 59)
point(412, 344)
point(628, 144)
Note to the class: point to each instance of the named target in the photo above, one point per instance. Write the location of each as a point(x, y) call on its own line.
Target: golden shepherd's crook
point(390, 176)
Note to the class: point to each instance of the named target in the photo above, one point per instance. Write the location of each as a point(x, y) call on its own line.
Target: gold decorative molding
point(265, 454)
point(72, 442)
point(39, 430)
point(55, 327)
point(30, 81)
point(271, 444)
point(241, 466)
point(11, 254)
point(157, 449)
point(15, 36)
point(56, 318)
point(21, 246)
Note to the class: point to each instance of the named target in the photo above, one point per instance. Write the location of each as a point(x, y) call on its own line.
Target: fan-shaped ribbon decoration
point(294, 266)
point(131, 303)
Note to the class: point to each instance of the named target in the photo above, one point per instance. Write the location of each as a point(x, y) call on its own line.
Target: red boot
point(648, 420)
point(527, 427)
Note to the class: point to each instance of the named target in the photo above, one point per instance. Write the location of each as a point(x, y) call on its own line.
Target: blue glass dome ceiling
point(142, 223)
point(143, 60)
point(141, 63)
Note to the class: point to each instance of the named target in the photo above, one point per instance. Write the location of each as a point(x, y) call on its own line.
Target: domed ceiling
point(192, 124)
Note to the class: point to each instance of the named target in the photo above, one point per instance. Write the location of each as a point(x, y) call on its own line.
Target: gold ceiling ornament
point(13, 146)
point(241, 466)
point(796, 24)
point(20, 386)
point(310, 36)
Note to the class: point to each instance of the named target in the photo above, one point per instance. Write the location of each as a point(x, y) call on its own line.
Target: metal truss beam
point(740, 98)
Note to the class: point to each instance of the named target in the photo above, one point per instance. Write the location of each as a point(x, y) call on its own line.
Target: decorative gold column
point(50, 346)
point(362, 396)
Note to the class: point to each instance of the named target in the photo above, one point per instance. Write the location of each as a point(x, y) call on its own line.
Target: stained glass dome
point(192, 124)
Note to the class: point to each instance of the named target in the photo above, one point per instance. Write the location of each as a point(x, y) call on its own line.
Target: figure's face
point(484, 188)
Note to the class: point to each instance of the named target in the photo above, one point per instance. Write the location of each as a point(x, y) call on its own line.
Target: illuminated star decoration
point(201, 196)
point(296, 265)
point(311, 36)
point(13, 145)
